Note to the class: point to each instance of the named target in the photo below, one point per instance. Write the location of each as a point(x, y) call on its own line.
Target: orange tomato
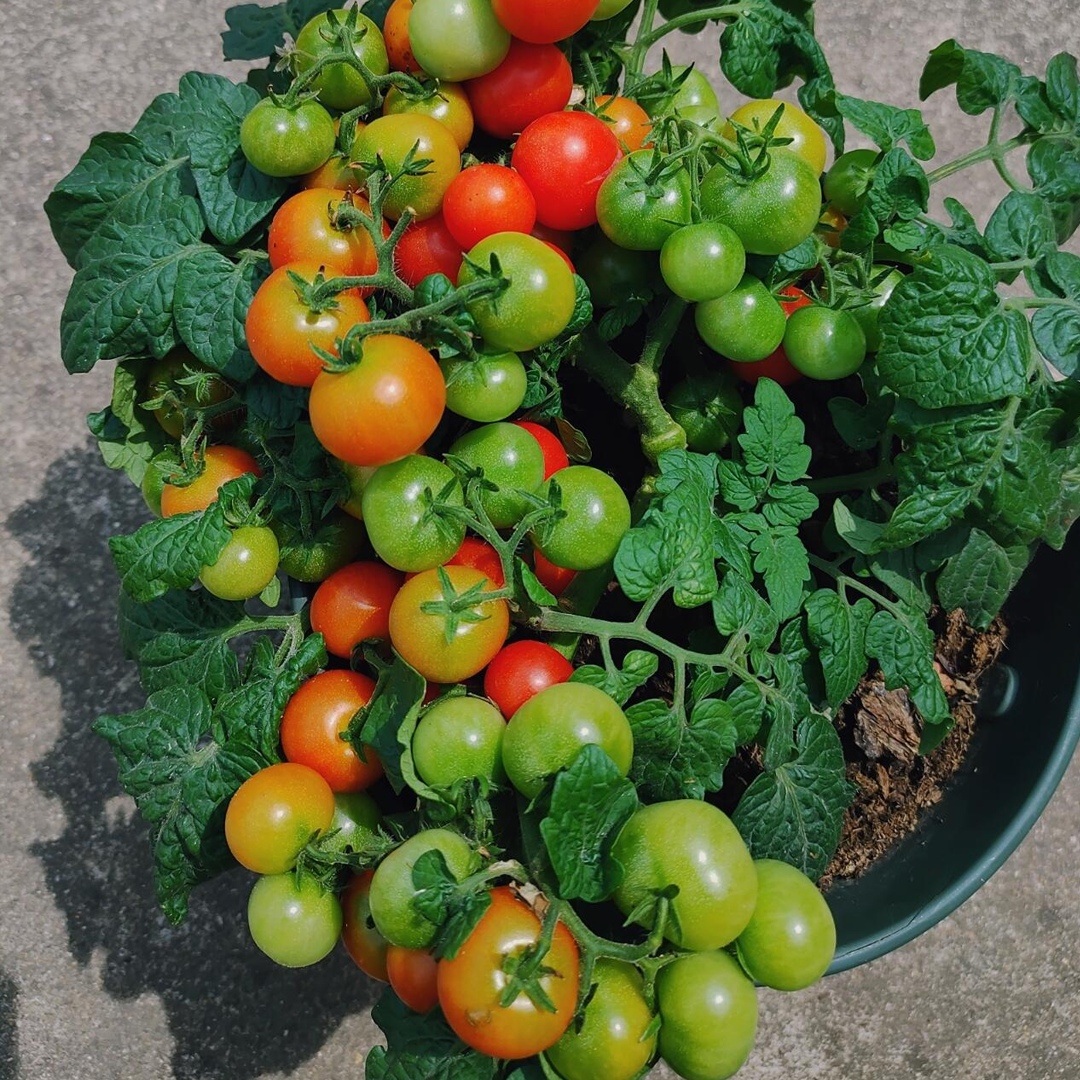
point(221, 464)
point(362, 941)
point(627, 119)
point(413, 974)
point(396, 36)
point(303, 230)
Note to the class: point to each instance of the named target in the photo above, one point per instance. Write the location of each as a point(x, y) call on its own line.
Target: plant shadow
point(232, 1013)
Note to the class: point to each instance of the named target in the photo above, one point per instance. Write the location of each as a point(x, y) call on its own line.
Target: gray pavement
point(93, 984)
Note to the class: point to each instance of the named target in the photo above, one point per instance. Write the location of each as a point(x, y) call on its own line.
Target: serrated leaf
point(1057, 329)
point(899, 189)
point(888, 125)
point(731, 544)
point(838, 631)
point(394, 706)
point(983, 80)
point(978, 579)
point(738, 609)
point(905, 650)
point(773, 443)
point(638, 667)
point(255, 32)
point(780, 556)
point(1022, 227)
point(1054, 168)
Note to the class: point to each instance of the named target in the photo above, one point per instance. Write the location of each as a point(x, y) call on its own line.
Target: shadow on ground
point(233, 1014)
point(9, 1032)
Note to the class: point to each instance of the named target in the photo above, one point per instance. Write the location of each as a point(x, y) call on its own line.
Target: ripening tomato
point(294, 919)
point(831, 226)
point(554, 452)
point(628, 121)
point(478, 554)
point(413, 974)
point(314, 721)
point(449, 104)
point(221, 464)
point(353, 605)
point(427, 247)
point(521, 670)
point(556, 579)
point(304, 230)
point(564, 157)
point(808, 140)
point(335, 172)
point(281, 329)
point(472, 983)
point(531, 82)
point(551, 21)
point(245, 566)
point(487, 199)
point(456, 39)
point(339, 85)
point(384, 408)
point(362, 941)
point(396, 38)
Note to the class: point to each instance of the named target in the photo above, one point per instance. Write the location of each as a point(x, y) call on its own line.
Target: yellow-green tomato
point(246, 565)
point(790, 940)
point(459, 738)
point(293, 919)
point(457, 39)
point(357, 477)
point(596, 516)
point(807, 139)
point(487, 389)
point(339, 85)
point(608, 9)
point(709, 1012)
point(356, 821)
point(611, 1043)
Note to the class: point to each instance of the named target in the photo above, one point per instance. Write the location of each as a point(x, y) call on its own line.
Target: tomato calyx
point(456, 608)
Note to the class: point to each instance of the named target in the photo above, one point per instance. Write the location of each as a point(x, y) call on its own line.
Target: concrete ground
point(93, 984)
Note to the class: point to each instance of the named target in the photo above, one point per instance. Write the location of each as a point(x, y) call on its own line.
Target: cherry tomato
point(745, 324)
point(449, 104)
point(337, 540)
point(353, 605)
point(543, 23)
point(614, 273)
point(362, 941)
point(564, 157)
point(808, 140)
point(608, 9)
point(831, 226)
point(457, 39)
point(396, 37)
point(459, 738)
point(884, 279)
point(531, 82)
point(246, 565)
point(597, 516)
point(487, 199)
point(776, 365)
point(384, 408)
point(554, 452)
point(273, 815)
point(355, 823)
point(848, 181)
point(413, 974)
point(694, 92)
point(478, 554)
point(220, 465)
point(335, 172)
point(487, 389)
point(703, 261)
point(293, 919)
point(521, 670)
point(708, 407)
point(303, 231)
point(338, 85)
point(512, 460)
point(357, 477)
point(281, 329)
point(638, 215)
point(314, 723)
point(628, 121)
point(401, 526)
point(471, 985)
point(427, 247)
point(420, 636)
point(287, 142)
point(162, 376)
point(824, 343)
point(555, 579)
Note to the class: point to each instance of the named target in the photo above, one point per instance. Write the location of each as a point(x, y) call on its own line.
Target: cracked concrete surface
point(93, 983)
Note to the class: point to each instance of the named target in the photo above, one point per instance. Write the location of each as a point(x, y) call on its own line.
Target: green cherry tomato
point(549, 730)
point(287, 142)
point(162, 376)
point(608, 9)
point(400, 525)
point(246, 565)
point(696, 92)
point(153, 481)
point(848, 181)
point(356, 821)
point(339, 85)
point(709, 1012)
point(539, 302)
point(790, 940)
point(708, 407)
point(294, 920)
point(745, 325)
point(457, 39)
point(868, 315)
point(823, 343)
point(512, 460)
point(613, 273)
point(336, 542)
point(392, 888)
point(770, 214)
point(639, 211)
point(487, 389)
point(611, 1043)
point(702, 262)
point(597, 515)
point(357, 477)
point(459, 738)
point(695, 846)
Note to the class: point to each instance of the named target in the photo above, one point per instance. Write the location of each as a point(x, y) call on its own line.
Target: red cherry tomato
point(480, 555)
point(353, 605)
point(549, 21)
point(554, 453)
point(531, 82)
point(798, 299)
point(362, 941)
point(487, 199)
point(776, 365)
point(522, 670)
point(223, 463)
point(556, 579)
point(428, 247)
point(413, 974)
point(564, 157)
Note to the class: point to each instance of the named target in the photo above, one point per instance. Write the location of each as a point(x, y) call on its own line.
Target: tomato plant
point(339, 85)
point(353, 605)
point(480, 555)
point(287, 141)
point(543, 23)
point(521, 670)
point(428, 247)
point(824, 343)
point(337, 540)
point(702, 262)
point(533, 81)
point(848, 181)
point(708, 407)
point(303, 231)
point(629, 122)
point(163, 378)
point(614, 273)
point(807, 139)
point(745, 324)
point(643, 201)
point(396, 37)
point(293, 919)
point(511, 460)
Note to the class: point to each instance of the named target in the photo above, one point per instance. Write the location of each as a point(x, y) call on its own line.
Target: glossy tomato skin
point(703, 261)
point(396, 512)
point(294, 920)
point(776, 365)
point(808, 139)
point(413, 974)
point(611, 1043)
point(512, 460)
point(539, 302)
point(281, 329)
point(543, 23)
point(392, 888)
point(532, 81)
point(597, 517)
point(459, 738)
point(339, 85)
point(708, 407)
point(640, 217)
point(303, 232)
point(457, 39)
point(335, 171)
point(744, 325)
point(246, 565)
point(709, 1012)
point(868, 315)
point(556, 579)
point(362, 941)
point(554, 452)
point(614, 273)
point(848, 181)
point(487, 389)
point(337, 540)
point(449, 105)
point(353, 605)
point(471, 985)
point(487, 199)
point(384, 408)
point(628, 121)
point(396, 38)
point(316, 718)
point(770, 214)
point(428, 247)
point(695, 92)
point(608, 9)
point(824, 343)
point(695, 846)
point(521, 670)
point(420, 636)
point(355, 822)
point(478, 554)
point(274, 813)
point(548, 731)
point(564, 157)
point(222, 464)
point(287, 142)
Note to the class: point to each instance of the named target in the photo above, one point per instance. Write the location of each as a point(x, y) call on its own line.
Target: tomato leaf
point(980, 577)
point(838, 631)
point(1057, 329)
point(442, 900)
point(888, 125)
point(255, 32)
point(638, 667)
point(904, 647)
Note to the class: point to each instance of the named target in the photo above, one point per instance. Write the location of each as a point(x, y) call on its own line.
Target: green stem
point(860, 481)
point(992, 151)
point(693, 18)
point(636, 61)
point(661, 331)
point(1019, 303)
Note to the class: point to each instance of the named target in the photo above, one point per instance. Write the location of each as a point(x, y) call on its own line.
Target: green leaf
point(781, 557)
point(858, 533)
point(773, 440)
point(441, 900)
point(738, 609)
point(1063, 88)
point(532, 587)
point(905, 650)
point(860, 426)
point(1054, 168)
point(583, 308)
point(838, 631)
point(982, 80)
point(1057, 329)
point(279, 405)
point(590, 804)
point(731, 544)
point(888, 125)
point(899, 571)
point(978, 579)
point(638, 667)
point(255, 32)
point(1022, 227)
point(963, 232)
point(795, 812)
point(899, 189)
point(394, 707)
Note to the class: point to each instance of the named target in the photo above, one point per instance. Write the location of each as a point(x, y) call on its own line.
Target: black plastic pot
point(1017, 758)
